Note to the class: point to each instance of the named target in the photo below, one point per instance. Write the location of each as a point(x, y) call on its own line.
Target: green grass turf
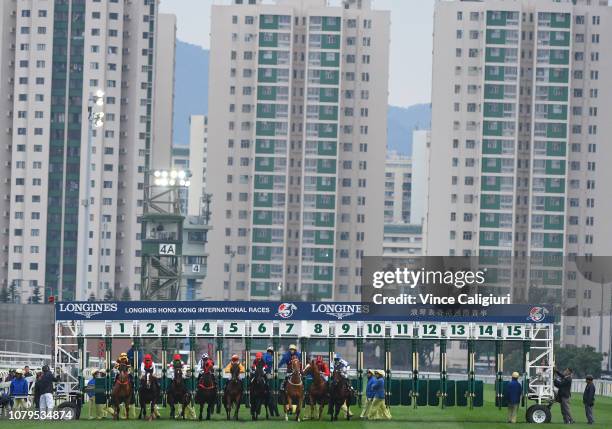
point(487, 416)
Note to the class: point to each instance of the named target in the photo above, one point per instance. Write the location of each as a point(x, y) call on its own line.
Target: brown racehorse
point(294, 390)
point(122, 392)
point(340, 392)
point(317, 394)
point(233, 391)
point(206, 393)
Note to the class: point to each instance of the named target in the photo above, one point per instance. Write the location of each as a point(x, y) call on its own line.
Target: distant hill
point(190, 87)
point(191, 98)
point(400, 123)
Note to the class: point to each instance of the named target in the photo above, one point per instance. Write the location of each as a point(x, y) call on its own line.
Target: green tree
point(13, 292)
point(4, 295)
point(125, 295)
point(583, 360)
point(35, 298)
point(92, 297)
point(108, 295)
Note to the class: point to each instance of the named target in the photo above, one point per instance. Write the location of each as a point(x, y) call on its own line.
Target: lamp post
point(95, 119)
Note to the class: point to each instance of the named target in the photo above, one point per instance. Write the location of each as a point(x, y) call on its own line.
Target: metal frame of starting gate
point(74, 328)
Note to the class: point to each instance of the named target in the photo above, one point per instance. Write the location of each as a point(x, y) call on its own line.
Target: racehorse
point(340, 392)
point(178, 394)
point(317, 394)
point(206, 393)
point(122, 392)
point(148, 393)
point(233, 391)
point(259, 392)
point(294, 390)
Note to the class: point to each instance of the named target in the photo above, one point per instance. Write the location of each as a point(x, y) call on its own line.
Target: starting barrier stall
point(79, 322)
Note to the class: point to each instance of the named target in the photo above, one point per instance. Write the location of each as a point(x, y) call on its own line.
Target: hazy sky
point(411, 32)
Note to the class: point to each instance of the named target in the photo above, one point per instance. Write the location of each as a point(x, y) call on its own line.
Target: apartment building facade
point(398, 188)
point(73, 192)
point(198, 155)
point(519, 147)
point(299, 130)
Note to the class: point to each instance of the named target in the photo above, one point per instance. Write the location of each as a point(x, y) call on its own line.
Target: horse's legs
point(288, 406)
point(298, 409)
point(228, 407)
point(238, 401)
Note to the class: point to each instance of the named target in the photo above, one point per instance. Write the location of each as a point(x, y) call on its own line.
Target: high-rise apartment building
point(398, 181)
point(421, 141)
point(520, 147)
point(297, 133)
point(73, 193)
point(198, 147)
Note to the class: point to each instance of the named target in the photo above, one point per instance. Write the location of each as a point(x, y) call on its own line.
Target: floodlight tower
point(162, 234)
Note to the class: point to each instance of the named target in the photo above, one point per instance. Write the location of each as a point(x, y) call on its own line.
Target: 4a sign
point(167, 249)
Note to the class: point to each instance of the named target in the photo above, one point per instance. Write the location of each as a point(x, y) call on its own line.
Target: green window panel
point(331, 23)
point(491, 147)
point(558, 112)
point(328, 113)
point(496, 73)
point(556, 186)
point(496, 36)
point(266, 111)
point(326, 184)
point(328, 95)
point(559, 56)
point(495, 110)
point(268, 57)
point(264, 181)
point(489, 238)
point(556, 148)
point(268, 40)
point(262, 217)
point(558, 75)
point(328, 130)
point(557, 93)
point(492, 128)
point(329, 77)
point(493, 91)
point(265, 128)
point(264, 146)
point(491, 165)
point(260, 271)
point(324, 237)
point(489, 257)
point(559, 38)
point(556, 130)
point(552, 259)
point(262, 235)
point(330, 59)
point(490, 183)
point(555, 167)
point(321, 291)
point(263, 199)
point(267, 75)
point(330, 41)
point(326, 202)
point(326, 166)
point(490, 202)
point(268, 22)
point(489, 220)
point(323, 273)
point(324, 255)
point(261, 253)
point(553, 240)
point(552, 278)
point(553, 222)
point(264, 164)
point(266, 92)
point(325, 219)
point(327, 148)
point(495, 55)
point(554, 204)
point(497, 18)
point(560, 20)
point(261, 289)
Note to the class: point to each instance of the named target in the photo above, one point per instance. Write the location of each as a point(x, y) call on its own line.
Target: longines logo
point(340, 311)
point(87, 309)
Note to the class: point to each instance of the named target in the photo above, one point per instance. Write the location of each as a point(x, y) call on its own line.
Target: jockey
point(288, 357)
point(322, 366)
point(341, 365)
point(147, 365)
point(123, 360)
point(269, 359)
point(177, 363)
point(206, 363)
point(228, 368)
point(258, 358)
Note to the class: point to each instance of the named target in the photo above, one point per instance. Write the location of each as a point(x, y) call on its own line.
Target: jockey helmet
point(204, 356)
point(176, 357)
point(258, 355)
point(270, 349)
point(148, 357)
point(45, 368)
point(337, 356)
point(293, 347)
point(235, 358)
point(319, 358)
point(19, 371)
point(123, 355)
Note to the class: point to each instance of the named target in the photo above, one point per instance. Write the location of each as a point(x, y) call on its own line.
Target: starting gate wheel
point(68, 410)
point(538, 414)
